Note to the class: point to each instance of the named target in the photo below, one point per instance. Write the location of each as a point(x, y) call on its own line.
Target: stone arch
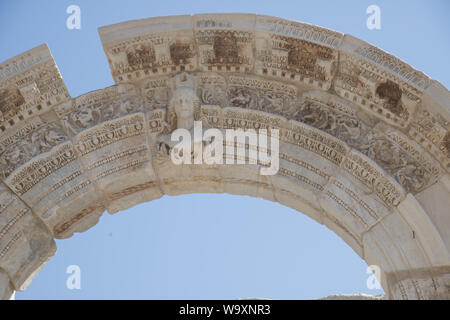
point(364, 139)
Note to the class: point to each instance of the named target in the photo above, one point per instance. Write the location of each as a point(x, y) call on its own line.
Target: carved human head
point(183, 104)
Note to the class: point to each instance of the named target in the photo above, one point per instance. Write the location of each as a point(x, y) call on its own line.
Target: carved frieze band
point(30, 84)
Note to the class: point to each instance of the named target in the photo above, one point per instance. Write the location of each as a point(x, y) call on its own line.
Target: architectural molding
point(364, 139)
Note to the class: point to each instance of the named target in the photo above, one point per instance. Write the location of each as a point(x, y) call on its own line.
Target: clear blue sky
point(207, 246)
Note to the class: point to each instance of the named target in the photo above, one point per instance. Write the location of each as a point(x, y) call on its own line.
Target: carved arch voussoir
point(364, 139)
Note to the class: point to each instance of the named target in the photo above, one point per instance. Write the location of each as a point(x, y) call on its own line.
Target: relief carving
point(432, 131)
point(29, 175)
point(366, 118)
point(212, 89)
point(258, 94)
point(90, 116)
point(225, 48)
point(180, 114)
point(42, 139)
point(299, 30)
point(413, 174)
point(395, 65)
point(391, 94)
point(296, 59)
point(98, 107)
point(110, 132)
point(10, 101)
point(333, 117)
point(390, 193)
point(156, 93)
point(376, 91)
point(445, 144)
point(159, 53)
point(30, 92)
point(12, 211)
point(343, 126)
point(140, 56)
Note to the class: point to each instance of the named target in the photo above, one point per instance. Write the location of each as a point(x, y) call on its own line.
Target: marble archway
point(364, 140)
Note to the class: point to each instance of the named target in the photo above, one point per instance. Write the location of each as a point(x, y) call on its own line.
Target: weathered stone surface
point(435, 202)
point(363, 139)
point(420, 284)
point(25, 242)
point(6, 289)
point(30, 84)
